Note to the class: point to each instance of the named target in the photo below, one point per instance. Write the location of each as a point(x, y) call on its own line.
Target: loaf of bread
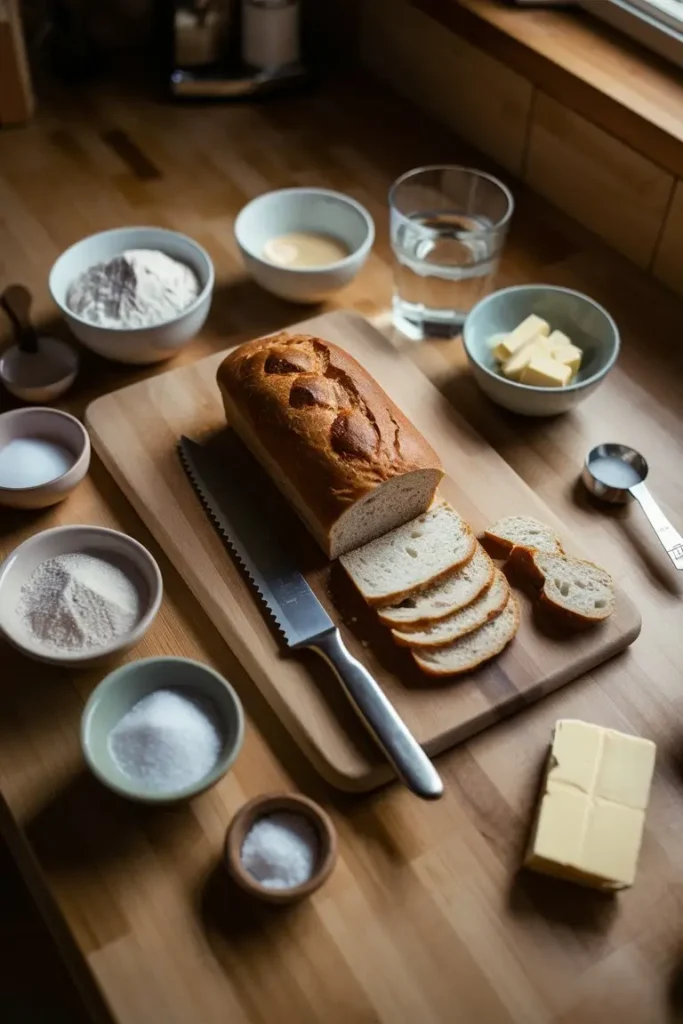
point(335, 444)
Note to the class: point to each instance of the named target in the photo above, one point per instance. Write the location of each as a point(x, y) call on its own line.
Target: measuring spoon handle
point(670, 538)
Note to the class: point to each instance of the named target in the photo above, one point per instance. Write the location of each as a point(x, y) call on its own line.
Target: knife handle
point(399, 745)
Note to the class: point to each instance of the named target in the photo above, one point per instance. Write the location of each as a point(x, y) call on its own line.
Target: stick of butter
point(516, 364)
point(569, 355)
point(546, 372)
point(589, 825)
point(523, 333)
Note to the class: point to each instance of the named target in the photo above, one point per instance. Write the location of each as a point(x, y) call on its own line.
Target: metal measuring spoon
point(615, 473)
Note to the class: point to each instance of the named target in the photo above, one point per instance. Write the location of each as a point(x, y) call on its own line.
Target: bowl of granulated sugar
point(78, 595)
point(160, 730)
point(134, 295)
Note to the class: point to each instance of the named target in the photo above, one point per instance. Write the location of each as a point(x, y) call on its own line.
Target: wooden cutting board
point(135, 431)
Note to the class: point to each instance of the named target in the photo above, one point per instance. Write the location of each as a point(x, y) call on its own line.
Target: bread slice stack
point(438, 591)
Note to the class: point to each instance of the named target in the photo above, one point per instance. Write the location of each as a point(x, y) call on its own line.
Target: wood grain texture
point(668, 261)
point(135, 431)
point(618, 193)
point(439, 69)
point(426, 917)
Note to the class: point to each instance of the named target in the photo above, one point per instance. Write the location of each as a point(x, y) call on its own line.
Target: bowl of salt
point(281, 847)
point(162, 730)
point(44, 455)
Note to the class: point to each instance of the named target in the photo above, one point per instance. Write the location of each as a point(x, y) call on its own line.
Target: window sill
point(589, 67)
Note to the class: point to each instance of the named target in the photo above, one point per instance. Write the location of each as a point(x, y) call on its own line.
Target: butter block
point(545, 372)
point(516, 364)
point(569, 355)
point(589, 824)
point(523, 333)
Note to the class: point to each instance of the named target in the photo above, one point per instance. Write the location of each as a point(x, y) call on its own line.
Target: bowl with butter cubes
point(540, 350)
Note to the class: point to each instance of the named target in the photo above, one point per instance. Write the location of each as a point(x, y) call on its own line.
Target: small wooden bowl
point(271, 803)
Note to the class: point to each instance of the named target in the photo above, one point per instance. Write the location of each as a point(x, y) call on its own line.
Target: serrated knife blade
point(298, 613)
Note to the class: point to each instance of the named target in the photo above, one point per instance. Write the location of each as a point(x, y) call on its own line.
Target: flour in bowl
point(139, 288)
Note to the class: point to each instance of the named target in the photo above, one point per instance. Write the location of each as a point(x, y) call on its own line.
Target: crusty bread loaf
point(412, 556)
point(338, 448)
point(444, 631)
point(448, 595)
point(580, 592)
point(473, 649)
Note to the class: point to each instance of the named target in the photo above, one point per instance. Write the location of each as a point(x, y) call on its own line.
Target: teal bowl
point(589, 326)
point(121, 689)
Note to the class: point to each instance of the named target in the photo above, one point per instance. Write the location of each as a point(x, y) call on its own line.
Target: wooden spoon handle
point(16, 301)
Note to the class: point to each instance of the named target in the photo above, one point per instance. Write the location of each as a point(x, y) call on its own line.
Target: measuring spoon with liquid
point(616, 473)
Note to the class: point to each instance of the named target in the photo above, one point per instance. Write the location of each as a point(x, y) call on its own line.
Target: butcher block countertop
point(427, 918)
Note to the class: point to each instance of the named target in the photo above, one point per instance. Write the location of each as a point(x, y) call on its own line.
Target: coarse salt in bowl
point(263, 864)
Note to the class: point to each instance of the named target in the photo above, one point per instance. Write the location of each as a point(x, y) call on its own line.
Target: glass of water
point(448, 228)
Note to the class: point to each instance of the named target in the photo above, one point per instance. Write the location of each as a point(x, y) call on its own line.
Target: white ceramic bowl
point(117, 548)
point(49, 425)
point(41, 376)
point(137, 344)
point(304, 209)
point(589, 326)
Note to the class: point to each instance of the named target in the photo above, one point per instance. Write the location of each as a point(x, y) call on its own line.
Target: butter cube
point(523, 333)
point(568, 355)
point(590, 822)
point(516, 364)
point(546, 372)
point(557, 339)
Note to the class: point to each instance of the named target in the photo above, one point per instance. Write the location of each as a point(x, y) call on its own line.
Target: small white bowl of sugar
point(44, 455)
point(78, 595)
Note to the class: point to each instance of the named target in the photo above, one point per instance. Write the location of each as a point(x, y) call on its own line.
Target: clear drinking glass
point(448, 228)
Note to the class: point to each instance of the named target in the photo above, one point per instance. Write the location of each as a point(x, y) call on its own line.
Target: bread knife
point(300, 616)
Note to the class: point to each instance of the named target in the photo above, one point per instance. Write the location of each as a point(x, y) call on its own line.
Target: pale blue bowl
point(589, 326)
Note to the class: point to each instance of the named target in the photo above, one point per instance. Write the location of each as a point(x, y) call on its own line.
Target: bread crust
point(324, 428)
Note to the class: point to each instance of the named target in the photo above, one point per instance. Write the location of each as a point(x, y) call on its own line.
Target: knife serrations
point(235, 504)
point(233, 549)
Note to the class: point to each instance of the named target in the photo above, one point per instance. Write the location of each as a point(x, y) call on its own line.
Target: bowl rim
point(113, 331)
point(83, 454)
point(532, 388)
point(361, 251)
point(60, 658)
point(489, 229)
point(223, 765)
point(259, 807)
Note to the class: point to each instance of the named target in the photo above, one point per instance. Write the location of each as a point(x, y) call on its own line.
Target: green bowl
point(588, 325)
point(121, 689)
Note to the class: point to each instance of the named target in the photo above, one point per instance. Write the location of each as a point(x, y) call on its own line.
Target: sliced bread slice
point(473, 649)
point(412, 556)
point(524, 532)
point(581, 592)
point(445, 631)
point(444, 598)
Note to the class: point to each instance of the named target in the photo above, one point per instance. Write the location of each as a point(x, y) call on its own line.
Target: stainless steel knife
point(300, 616)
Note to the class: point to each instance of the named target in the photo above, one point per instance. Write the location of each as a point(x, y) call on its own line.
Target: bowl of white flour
point(78, 595)
point(135, 295)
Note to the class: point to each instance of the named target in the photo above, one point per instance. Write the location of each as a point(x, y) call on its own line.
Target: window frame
point(633, 17)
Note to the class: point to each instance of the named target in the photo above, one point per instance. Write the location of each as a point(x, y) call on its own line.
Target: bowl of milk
point(303, 244)
point(44, 455)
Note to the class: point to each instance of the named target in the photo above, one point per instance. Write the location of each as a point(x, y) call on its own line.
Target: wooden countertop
point(426, 918)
